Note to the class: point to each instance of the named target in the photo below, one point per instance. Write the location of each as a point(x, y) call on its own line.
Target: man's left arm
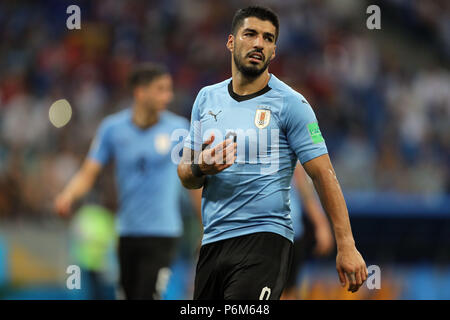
point(314, 211)
point(304, 137)
point(350, 264)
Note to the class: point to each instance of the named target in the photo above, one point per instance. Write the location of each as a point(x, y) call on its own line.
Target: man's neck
point(144, 117)
point(245, 86)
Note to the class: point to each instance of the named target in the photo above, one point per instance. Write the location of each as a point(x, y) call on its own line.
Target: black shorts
point(250, 267)
point(144, 265)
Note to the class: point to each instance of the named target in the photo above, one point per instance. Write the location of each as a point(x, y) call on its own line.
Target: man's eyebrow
point(249, 30)
point(270, 34)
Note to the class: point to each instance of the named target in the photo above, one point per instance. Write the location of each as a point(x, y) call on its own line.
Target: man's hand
point(217, 159)
point(63, 204)
point(351, 268)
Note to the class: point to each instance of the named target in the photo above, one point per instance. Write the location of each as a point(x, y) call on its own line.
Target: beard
point(252, 71)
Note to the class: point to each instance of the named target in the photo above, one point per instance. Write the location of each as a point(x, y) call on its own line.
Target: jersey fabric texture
point(146, 175)
point(273, 128)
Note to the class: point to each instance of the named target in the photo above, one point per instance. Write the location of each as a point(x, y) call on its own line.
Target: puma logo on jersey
point(214, 115)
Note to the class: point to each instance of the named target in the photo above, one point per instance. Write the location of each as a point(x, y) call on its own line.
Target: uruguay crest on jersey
point(262, 118)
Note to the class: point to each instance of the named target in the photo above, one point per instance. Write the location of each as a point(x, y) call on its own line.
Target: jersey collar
point(240, 98)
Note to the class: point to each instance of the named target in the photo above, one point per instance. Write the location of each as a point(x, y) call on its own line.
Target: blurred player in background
point(313, 235)
point(92, 247)
point(139, 140)
point(247, 241)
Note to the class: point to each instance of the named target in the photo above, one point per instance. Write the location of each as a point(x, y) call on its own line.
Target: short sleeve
point(194, 138)
point(101, 147)
point(302, 129)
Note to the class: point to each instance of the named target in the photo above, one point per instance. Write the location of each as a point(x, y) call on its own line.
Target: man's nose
point(258, 42)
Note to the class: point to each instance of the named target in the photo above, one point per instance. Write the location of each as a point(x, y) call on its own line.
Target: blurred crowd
point(385, 119)
point(433, 16)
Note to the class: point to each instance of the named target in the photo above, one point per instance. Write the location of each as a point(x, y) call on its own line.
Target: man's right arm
point(187, 177)
point(194, 165)
point(78, 186)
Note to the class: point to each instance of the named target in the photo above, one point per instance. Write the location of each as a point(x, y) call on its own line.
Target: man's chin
point(155, 109)
point(249, 69)
point(252, 71)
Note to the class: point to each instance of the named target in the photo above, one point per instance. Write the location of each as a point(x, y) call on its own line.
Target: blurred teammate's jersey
point(147, 180)
point(296, 212)
point(274, 128)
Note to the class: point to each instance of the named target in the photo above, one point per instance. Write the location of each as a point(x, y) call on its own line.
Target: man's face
point(157, 94)
point(253, 46)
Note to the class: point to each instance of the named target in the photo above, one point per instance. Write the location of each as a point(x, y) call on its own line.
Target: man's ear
point(273, 54)
point(230, 43)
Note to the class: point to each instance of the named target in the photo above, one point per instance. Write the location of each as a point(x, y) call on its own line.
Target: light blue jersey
point(146, 175)
point(274, 127)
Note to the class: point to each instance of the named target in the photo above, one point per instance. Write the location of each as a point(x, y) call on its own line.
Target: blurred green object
point(93, 237)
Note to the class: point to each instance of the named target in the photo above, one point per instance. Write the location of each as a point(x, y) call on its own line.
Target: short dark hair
point(145, 73)
point(261, 13)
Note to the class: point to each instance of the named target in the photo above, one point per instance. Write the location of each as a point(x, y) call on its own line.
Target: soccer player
point(139, 140)
point(313, 236)
point(254, 127)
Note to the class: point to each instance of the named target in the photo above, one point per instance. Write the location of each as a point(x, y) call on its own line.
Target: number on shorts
point(265, 293)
